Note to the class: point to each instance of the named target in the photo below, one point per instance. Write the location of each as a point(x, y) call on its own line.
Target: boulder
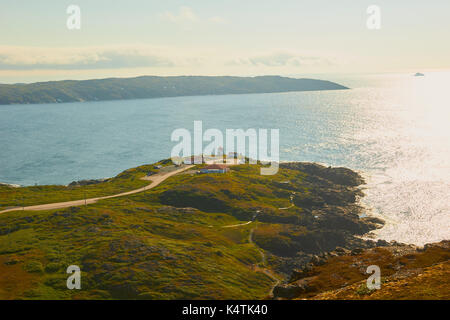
point(292, 290)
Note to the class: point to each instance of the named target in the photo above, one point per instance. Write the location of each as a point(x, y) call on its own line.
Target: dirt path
point(156, 180)
point(264, 268)
point(238, 225)
point(264, 264)
point(291, 198)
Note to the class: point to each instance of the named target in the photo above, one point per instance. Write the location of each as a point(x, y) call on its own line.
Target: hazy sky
point(211, 37)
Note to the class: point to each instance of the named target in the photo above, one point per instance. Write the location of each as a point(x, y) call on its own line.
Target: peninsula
point(153, 87)
point(162, 231)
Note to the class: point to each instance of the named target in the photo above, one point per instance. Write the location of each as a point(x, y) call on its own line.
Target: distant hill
point(153, 87)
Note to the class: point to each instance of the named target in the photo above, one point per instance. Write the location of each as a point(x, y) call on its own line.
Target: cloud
point(33, 58)
point(280, 59)
point(217, 19)
point(165, 59)
point(185, 14)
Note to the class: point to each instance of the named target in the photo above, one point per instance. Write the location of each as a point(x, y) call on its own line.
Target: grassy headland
point(187, 238)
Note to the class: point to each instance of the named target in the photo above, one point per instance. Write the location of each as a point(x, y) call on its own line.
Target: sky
point(125, 38)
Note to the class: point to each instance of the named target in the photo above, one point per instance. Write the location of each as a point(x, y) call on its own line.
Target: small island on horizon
point(146, 87)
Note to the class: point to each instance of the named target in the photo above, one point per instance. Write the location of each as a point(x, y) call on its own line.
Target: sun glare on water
point(413, 192)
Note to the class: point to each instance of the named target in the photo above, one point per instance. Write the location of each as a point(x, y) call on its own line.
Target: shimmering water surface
point(395, 129)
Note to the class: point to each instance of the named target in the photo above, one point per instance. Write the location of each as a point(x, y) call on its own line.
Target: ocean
point(393, 128)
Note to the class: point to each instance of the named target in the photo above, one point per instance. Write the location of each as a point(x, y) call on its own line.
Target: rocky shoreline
point(303, 229)
point(2, 184)
point(334, 204)
point(400, 265)
point(330, 214)
point(87, 182)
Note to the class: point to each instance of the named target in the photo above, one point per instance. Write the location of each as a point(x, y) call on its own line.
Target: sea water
point(394, 129)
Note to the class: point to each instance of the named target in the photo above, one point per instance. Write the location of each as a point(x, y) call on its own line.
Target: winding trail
point(264, 269)
point(156, 180)
point(238, 225)
point(291, 198)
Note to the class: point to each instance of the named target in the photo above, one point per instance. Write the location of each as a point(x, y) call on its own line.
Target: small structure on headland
point(195, 159)
point(233, 155)
point(215, 168)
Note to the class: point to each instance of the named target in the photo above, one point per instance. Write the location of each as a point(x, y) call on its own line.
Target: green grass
point(165, 243)
point(131, 249)
point(34, 195)
point(137, 246)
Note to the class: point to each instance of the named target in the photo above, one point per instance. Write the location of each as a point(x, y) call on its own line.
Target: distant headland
point(153, 87)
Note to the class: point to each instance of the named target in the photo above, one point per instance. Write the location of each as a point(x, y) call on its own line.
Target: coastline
point(10, 185)
point(367, 211)
point(307, 218)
